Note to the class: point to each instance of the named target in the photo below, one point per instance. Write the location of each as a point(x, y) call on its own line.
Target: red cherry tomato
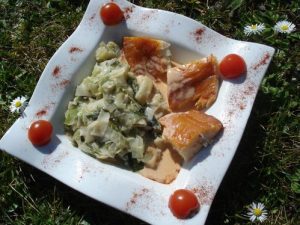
point(183, 203)
point(111, 14)
point(232, 66)
point(40, 132)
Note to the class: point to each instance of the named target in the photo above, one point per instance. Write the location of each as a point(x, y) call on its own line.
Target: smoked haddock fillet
point(189, 131)
point(193, 85)
point(147, 56)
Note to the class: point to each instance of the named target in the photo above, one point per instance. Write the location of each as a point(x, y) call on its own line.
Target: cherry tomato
point(183, 203)
point(111, 14)
point(40, 132)
point(232, 66)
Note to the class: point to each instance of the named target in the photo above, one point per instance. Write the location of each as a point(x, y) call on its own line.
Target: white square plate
point(119, 188)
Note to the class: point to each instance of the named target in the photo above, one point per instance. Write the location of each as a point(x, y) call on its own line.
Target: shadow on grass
point(238, 187)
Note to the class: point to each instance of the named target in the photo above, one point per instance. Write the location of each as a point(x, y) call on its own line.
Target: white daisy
point(284, 27)
point(257, 212)
point(18, 104)
point(254, 29)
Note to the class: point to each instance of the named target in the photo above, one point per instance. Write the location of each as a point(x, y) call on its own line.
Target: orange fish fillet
point(194, 85)
point(189, 131)
point(147, 56)
point(206, 92)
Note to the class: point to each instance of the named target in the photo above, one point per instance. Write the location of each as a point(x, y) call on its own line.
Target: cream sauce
point(167, 168)
point(185, 93)
point(175, 79)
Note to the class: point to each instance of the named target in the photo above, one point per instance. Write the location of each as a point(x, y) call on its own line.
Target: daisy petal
point(252, 218)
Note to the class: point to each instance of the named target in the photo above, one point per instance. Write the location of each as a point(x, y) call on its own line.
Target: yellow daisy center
point(18, 104)
point(284, 27)
point(257, 212)
point(254, 27)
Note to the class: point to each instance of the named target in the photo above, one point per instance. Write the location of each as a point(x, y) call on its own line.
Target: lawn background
point(265, 167)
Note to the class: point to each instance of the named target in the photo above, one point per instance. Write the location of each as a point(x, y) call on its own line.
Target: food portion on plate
point(189, 131)
point(147, 56)
point(114, 113)
point(183, 203)
point(193, 85)
point(40, 132)
point(138, 110)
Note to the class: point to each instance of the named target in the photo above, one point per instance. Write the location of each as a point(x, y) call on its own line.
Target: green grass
point(265, 167)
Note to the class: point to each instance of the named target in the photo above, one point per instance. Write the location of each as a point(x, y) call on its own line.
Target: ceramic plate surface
point(114, 186)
